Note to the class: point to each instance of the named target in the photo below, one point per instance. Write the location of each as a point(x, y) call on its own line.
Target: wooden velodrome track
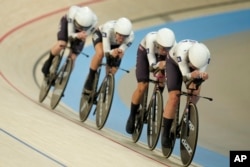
point(33, 135)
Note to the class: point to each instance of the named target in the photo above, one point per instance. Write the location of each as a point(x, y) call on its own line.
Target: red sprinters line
point(2, 38)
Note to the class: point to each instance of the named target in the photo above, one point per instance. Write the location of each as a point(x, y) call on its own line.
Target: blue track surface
point(201, 29)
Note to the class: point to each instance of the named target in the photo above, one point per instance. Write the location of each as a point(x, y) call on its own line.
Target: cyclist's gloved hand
point(116, 52)
point(112, 61)
point(196, 81)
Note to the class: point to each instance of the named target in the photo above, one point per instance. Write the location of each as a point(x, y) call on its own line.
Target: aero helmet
point(123, 26)
point(199, 55)
point(165, 37)
point(84, 18)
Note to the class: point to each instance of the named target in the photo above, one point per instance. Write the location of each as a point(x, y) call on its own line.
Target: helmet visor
point(124, 36)
point(79, 27)
point(160, 47)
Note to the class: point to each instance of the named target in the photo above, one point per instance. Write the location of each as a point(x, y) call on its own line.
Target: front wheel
point(87, 101)
point(105, 99)
point(189, 135)
point(44, 90)
point(155, 111)
point(47, 81)
point(61, 83)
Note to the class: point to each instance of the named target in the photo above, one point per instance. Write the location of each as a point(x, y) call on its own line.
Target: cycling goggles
point(124, 36)
point(79, 27)
point(158, 46)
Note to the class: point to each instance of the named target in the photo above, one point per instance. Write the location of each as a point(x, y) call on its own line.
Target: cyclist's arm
point(126, 44)
point(106, 43)
point(182, 61)
point(70, 18)
point(149, 46)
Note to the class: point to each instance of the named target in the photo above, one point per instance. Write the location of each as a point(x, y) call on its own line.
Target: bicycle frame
point(148, 113)
point(187, 128)
point(88, 100)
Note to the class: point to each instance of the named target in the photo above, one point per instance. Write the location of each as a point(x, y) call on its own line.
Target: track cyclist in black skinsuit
point(111, 40)
point(151, 55)
point(74, 27)
point(188, 60)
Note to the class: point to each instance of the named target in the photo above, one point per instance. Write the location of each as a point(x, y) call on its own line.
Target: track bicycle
point(57, 78)
point(150, 114)
point(49, 80)
point(102, 97)
point(187, 128)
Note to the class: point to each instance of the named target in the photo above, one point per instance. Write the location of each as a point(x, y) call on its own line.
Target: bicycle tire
point(61, 83)
point(47, 81)
point(155, 112)
point(44, 89)
point(86, 101)
point(188, 142)
point(105, 99)
point(139, 118)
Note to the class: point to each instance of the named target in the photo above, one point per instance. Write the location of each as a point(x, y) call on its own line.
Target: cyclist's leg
point(55, 51)
point(131, 119)
point(62, 39)
point(142, 75)
point(95, 62)
point(174, 82)
point(76, 48)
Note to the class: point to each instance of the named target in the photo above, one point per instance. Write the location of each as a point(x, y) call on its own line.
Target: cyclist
point(151, 55)
point(74, 27)
point(188, 60)
point(110, 39)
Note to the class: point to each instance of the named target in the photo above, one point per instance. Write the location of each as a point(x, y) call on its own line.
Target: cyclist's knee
point(174, 98)
point(58, 47)
point(142, 87)
point(61, 44)
point(73, 56)
point(99, 55)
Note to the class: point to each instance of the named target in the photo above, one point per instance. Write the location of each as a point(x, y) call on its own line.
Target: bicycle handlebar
point(156, 76)
point(69, 47)
point(191, 94)
point(104, 64)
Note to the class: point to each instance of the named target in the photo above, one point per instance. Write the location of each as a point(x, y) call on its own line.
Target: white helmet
point(123, 26)
point(84, 18)
point(165, 37)
point(199, 55)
